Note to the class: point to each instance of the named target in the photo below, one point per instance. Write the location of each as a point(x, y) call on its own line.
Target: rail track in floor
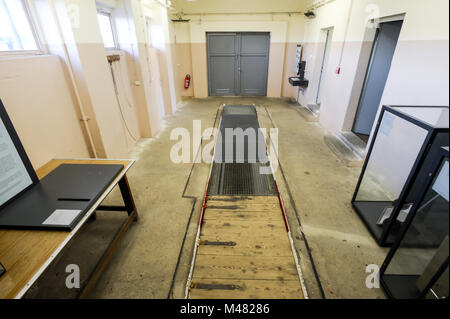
point(244, 248)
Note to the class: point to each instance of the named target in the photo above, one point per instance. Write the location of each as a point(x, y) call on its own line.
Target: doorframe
point(366, 76)
point(377, 22)
point(323, 66)
point(238, 45)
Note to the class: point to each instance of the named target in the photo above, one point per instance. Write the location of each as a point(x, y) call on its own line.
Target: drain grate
point(241, 165)
point(241, 179)
point(239, 110)
point(244, 143)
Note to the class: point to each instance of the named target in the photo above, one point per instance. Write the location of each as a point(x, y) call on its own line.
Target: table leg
point(132, 217)
point(127, 196)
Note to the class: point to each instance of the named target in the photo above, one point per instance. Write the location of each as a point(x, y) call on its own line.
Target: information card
point(14, 177)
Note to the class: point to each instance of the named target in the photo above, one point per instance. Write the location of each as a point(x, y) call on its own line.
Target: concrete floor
point(154, 257)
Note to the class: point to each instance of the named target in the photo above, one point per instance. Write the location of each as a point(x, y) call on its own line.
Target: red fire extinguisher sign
point(187, 81)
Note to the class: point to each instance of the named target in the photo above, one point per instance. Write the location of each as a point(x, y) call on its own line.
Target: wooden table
point(26, 254)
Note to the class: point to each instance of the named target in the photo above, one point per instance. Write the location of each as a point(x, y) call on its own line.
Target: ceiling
point(238, 6)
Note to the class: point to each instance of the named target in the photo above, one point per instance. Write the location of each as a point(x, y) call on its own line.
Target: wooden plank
point(243, 215)
point(246, 199)
point(23, 252)
point(245, 267)
point(244, 289)
point(260, 228)
point(245, 246)
point(242, 206)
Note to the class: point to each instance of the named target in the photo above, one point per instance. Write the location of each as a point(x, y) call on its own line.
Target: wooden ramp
point(244, 251)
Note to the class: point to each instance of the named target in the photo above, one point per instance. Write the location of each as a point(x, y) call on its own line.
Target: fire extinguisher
point(187, 81)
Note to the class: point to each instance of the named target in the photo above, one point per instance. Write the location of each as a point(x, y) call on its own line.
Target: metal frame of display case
point(432, 132)
point(444, 154)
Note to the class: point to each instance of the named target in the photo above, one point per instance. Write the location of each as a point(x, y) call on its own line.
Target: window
point(106, 29)
point(16, 33)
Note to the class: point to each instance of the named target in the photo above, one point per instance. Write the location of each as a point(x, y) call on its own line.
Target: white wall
point(419, 72)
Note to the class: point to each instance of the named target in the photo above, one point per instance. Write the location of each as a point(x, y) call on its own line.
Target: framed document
point(16, 172)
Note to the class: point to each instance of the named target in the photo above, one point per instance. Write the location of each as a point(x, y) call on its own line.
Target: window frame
point(34, 30)
point(108, 12)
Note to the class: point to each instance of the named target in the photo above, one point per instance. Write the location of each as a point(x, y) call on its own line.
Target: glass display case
point(404, 137)
point(417, 265)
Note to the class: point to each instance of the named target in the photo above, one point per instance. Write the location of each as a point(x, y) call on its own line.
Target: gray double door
point(238, 63)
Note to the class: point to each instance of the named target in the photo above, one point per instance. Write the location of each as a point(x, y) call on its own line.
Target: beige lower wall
point(199, 70)
point(164, 75)
point(132, 101)
point(182, 67)
point(38, 98)
point(95, 73)
point(276, 68)
point(155, 94)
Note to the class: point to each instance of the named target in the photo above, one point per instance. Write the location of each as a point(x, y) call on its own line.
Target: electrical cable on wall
point(116, 90)
point(127, 98)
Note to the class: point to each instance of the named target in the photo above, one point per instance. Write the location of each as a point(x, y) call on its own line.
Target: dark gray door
point(253, 63)
point(376, 77)
point(222, 63)
point(238, 63)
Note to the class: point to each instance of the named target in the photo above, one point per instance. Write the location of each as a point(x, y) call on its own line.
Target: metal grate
point(239, 110)
point(249, 147)
point(241, 179)
point(239, 173)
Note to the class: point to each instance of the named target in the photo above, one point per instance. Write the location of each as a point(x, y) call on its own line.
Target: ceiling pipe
point(238, 13)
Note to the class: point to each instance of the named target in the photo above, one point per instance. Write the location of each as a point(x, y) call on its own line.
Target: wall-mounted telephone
point(300, 66)
point(298, 59)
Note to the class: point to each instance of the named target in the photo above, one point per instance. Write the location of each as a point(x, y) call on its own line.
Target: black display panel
point(16, 172)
